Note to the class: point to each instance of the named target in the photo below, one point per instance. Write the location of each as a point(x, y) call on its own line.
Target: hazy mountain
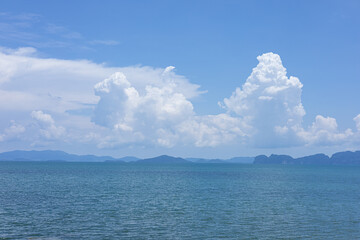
point(49, 155)
point(129, 159)
point(346, 158)
point(216, 160)
point(246, 160)
point(340, 158)
point(313, 159)
point(204, 160)
point(163, 159)
point(273, 159)
point(124, 159)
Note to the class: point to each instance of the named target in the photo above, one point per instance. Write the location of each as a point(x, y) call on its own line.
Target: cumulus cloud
point(12, 132)
point(160, 114)
point(121, 105)
point(47, 127)
point(324, 131)
point(269, 102)
point(42, 117)
point(213, 130)
point(42, 127)
point(141, 105)
point(64, 87)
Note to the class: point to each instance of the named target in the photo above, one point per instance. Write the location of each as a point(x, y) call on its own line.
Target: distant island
point(340, 158)
point(163, 159)
point(60, 156)
point(53, 156)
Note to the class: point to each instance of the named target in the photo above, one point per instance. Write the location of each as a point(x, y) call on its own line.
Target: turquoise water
point(190, 201)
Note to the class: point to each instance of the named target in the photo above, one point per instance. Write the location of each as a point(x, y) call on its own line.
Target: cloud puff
point(23, 51)
point(121, 105)
point(159, 114)
point(324, 131)
point(42, 117)
point(47, 127)
point(41, 128)
point(12, 132)
point(212, 130)
point(269, 102)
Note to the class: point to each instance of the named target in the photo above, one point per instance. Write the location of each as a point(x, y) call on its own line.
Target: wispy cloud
point(62, 31)
point(20, 17)
point(16, 32)
point(32, 30)
point(104, 42)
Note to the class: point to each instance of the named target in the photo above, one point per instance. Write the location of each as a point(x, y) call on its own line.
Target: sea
point(109, 200)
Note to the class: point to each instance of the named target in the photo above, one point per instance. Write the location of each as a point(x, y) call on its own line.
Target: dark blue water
point(191, 201)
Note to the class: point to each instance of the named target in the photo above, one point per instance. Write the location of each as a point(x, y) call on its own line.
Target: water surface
point(42, 200)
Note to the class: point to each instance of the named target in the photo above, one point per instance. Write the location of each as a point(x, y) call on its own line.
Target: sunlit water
point(186, 201)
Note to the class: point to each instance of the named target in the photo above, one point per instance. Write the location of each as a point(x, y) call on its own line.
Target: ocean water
point(185, 201)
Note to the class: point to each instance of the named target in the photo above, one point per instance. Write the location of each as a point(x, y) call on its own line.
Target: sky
point(213, 79)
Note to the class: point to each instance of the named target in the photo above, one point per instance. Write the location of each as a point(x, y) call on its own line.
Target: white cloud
point(152, 113)
point(357, 122)
point(324, 131)
point(41, 129)
point(48, 84)
point(158, 114)
point(212, 130)
point(153, 106)
point(23, 51)
point(42, 117)
point(121, 104)
point(63, 86)
point(12, 132)
point(269, 102)
point(47, 127)
point(59, 85)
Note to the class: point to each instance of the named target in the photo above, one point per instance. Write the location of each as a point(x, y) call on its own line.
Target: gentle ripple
point(186, 201)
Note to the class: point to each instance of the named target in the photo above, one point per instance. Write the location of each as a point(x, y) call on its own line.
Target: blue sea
point(60, 200)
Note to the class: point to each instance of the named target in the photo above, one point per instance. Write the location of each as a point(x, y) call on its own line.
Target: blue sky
point(214, 46)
